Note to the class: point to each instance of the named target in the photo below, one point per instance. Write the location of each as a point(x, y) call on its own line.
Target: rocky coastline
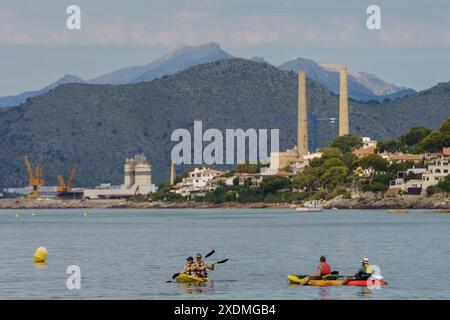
point(402, 202)
point(370, 202)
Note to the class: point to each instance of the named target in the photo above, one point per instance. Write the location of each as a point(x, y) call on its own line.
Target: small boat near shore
point(397, 211)
point(441, 211)
point(310, 206)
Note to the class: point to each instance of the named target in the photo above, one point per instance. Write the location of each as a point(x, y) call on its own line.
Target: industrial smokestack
point(302, 123)
point(343, 102)
point(172, 173)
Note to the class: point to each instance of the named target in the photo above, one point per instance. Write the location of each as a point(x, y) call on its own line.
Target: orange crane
point(62, 185)
point(34, 178)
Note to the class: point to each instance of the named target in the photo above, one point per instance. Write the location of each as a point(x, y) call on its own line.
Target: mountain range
point(10, 101)
point(362, 86)
point(98, 126)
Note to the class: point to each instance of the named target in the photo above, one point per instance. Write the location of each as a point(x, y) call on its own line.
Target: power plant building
point(137, 180)
point(138, 172)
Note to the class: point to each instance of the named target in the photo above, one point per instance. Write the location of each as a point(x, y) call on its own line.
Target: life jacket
point(201, 273)
point(326, 268)
point(188, 269)
point(365, 272)
point(368, 269)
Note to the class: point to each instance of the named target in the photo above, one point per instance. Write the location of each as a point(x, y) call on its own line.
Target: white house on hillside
point(198, 181)
point(435, 173)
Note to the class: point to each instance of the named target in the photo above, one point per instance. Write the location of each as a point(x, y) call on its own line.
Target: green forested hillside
point(98, 126)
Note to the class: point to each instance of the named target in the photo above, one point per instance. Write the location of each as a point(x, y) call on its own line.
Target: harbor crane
point(62, 185)
point(34, 178)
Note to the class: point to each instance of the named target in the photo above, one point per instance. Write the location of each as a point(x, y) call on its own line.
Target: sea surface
point(131, 254)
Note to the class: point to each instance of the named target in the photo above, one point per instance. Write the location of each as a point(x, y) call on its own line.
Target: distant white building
point(199, 181)
point(290, 158)
point(368, 143)
point(137, 180)
point(435, 173)
point(430, 176)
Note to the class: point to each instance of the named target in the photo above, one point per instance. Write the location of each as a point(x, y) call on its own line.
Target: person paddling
point(323, 269)
point(363, 273)
point(189, 266)
point(200, 266)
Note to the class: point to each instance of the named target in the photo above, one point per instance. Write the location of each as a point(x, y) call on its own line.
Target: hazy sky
point(36, 48)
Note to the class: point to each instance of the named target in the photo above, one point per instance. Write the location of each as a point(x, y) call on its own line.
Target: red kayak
point(365, 283)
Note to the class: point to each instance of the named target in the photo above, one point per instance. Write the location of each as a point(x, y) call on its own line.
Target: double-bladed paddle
point(221, 261)
point(177, 274)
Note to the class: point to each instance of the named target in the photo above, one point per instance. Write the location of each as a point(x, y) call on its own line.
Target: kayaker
point(201, 266)
point(189, 266)
point(323, 269)
point(363, 273)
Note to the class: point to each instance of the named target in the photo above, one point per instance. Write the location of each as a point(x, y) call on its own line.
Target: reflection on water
point(195, 288)
point(132, 253)
point(40, 265)
point(366, 292)
point(324, 293)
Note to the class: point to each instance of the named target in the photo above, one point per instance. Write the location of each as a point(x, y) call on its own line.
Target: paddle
point(305, 279)
point(333, 273)
point(221, 261)
point(209, 254)
point(177, 274)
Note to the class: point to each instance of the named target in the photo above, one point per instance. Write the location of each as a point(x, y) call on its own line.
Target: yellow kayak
point(293, 279)
point(185, 278)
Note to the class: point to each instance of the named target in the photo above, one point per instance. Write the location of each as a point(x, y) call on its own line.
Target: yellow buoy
point(17, 215)
point(41, 254)
point(33, 214)
point(85, 213)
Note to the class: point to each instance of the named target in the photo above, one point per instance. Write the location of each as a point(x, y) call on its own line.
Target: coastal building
point(47, 192)
point(369, 143)
point(437, 171)
point(402, 157)
point(137, 180)
point(446, 152)
point(415, 181)
point(361, 152)
point(198, 182)
point(369, 147)
point(138, 173)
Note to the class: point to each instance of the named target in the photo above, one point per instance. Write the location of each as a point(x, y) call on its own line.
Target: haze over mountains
point(9, 101)
point(98, 126)
point(177, 60)
point(362, 86)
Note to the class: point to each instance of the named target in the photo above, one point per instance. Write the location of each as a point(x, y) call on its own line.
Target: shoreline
point(338, 202)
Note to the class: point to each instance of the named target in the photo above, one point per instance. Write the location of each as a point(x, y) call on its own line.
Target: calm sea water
point(129, 254)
